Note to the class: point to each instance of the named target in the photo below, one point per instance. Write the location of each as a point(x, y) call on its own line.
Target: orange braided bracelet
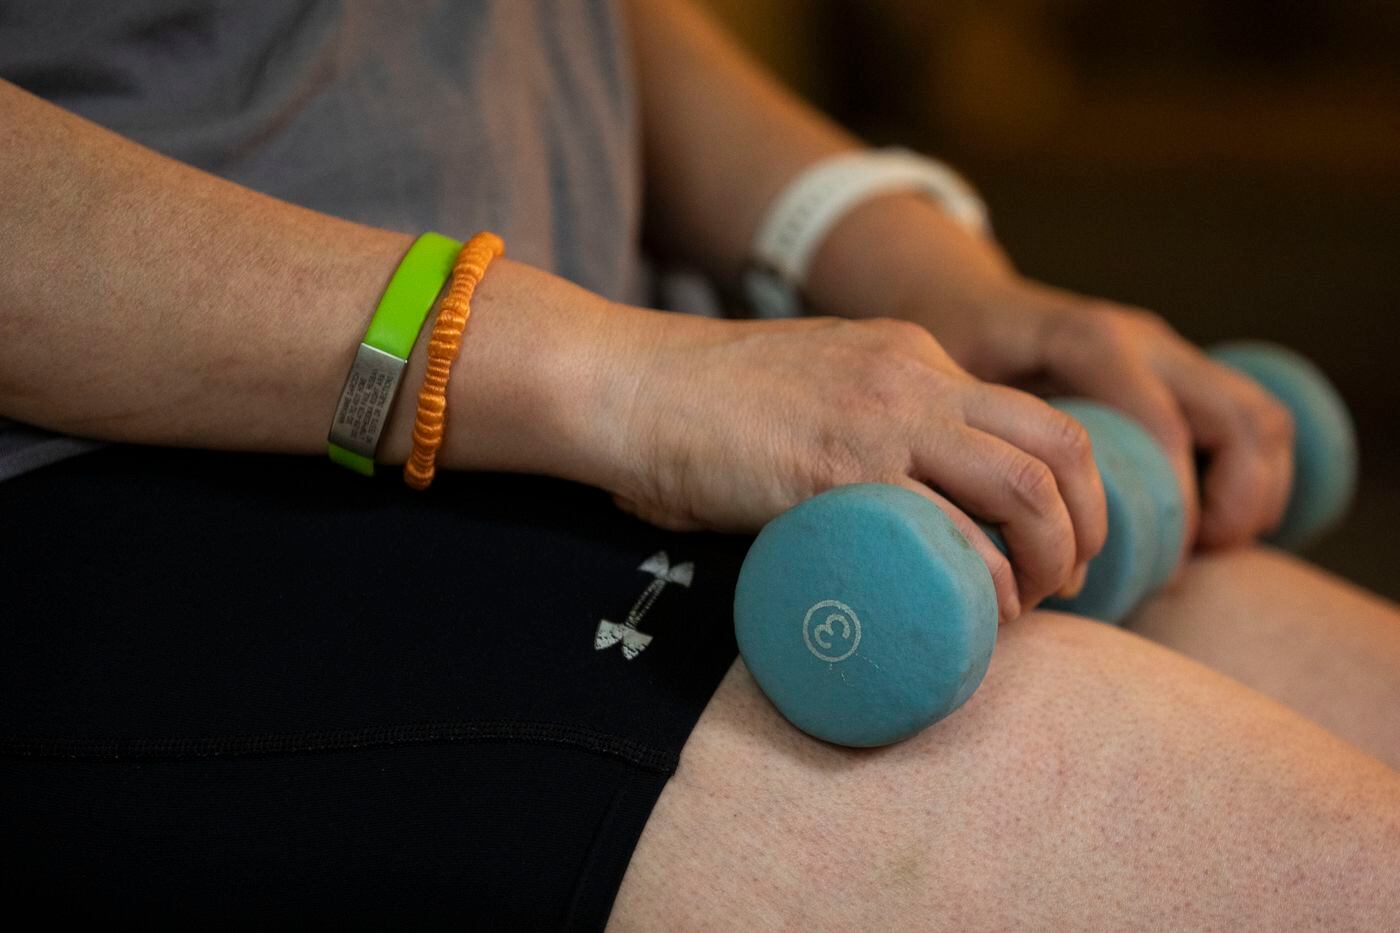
point(443, 347)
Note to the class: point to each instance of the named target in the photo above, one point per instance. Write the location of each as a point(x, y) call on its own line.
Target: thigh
point(1094, 781)
point(1325, 647)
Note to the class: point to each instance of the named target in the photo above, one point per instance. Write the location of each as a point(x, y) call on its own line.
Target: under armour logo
point(633, 641)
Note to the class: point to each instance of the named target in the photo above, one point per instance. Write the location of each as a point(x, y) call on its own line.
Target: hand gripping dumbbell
point(1324, 439)
point(866, 616)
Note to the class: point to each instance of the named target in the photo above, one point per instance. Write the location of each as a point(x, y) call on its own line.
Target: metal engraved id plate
point(365, 400)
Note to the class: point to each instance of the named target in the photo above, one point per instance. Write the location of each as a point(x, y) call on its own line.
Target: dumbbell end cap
point(865, 615)
point(1325, 458)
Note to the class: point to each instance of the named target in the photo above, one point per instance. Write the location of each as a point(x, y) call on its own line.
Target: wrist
point(804, 214)
point(902, 256)
point(884, 252)
point(542, 384)
point(620, 403)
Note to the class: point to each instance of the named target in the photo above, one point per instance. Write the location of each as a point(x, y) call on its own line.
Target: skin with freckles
point(1094, 782)
point(1319, 644)
point(819, 402)
point(228, 319)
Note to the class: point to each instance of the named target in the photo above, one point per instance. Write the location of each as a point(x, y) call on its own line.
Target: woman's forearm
point(144, 300)
point(141, 299)
point(722, 140)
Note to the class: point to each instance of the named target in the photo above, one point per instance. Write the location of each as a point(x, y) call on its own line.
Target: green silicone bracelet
point(373, 382)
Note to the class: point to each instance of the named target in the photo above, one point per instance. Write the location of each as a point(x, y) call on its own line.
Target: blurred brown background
point(1231, 164)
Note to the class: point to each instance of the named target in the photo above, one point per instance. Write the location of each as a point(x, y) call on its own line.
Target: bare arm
point(722, 140)
point(144, 300)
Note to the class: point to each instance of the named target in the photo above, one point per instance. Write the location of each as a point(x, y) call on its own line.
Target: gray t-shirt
point(511, 115)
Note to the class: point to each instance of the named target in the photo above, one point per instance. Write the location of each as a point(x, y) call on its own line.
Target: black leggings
point(240, 687)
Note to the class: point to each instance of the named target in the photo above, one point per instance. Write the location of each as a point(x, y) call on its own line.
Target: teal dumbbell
point(865, 615)
point(1146, 520)
point(1324, 438)
point(1144, 515)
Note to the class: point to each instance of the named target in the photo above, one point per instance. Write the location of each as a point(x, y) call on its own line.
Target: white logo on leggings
point(633, 641)
point(836, 635)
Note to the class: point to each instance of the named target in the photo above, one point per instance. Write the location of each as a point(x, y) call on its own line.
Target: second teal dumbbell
point(1324, 438)
point(1146, 520)
point(1144, 527)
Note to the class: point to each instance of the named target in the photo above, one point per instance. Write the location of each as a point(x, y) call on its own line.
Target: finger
point(1062, 444)
point(1002, 484)
point(1282, 486)
point(1249, 436)
point(1128, 384)
point(1004, 581)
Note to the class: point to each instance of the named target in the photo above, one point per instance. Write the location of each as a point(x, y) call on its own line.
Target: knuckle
point(898, 331)
point(1147, 320)
point(1058, 561)
point(892, 383)
point(1071, 439)
point(1046, 573)
point(1096, 329)
point(884, 396)
point(1276, 424)
point(858, 450)
point(1233, 500)
point(1002, 575)
point(1172, 431)
point(1107, 326)
point(833, 459)
point(1095, 537)
point(908, 341)
point(1229, 521)
point(1032, 484)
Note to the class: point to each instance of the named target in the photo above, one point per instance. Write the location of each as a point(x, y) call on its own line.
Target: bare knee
point(1091, 775)
point(1316, 643)
point(1257, 581)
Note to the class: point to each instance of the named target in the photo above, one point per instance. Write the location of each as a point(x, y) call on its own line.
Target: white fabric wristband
point(809, 207)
